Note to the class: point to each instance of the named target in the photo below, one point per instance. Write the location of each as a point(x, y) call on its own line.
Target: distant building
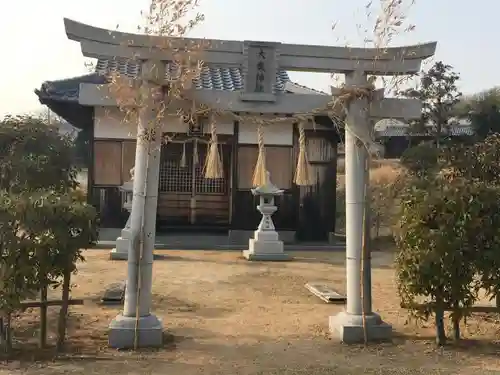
point(396, 136)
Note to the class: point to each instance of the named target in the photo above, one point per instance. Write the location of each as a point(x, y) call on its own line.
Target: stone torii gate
point(258, 97)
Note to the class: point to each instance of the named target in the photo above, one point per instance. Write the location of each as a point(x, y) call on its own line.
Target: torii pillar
point(358, 322)
point(136, 325)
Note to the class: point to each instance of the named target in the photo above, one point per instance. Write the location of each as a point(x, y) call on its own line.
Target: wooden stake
point(42, 338)
point(63, 312)
point(364, 252)
point(8, 333)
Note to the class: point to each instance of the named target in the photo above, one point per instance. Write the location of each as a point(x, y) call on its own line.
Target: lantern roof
point(268, 188)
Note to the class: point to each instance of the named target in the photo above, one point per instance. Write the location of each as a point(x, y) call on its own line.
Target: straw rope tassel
point(183, 158)
point(260, 172)
point(213, 163)
point(303, 175)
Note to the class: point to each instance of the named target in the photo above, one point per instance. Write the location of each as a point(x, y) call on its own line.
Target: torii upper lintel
point(98, 42)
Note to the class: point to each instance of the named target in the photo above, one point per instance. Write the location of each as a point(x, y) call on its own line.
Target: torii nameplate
point(259, 71)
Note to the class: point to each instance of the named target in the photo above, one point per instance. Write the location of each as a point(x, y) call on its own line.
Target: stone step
point(190, 241)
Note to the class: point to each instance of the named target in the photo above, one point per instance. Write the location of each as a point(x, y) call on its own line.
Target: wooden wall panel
point(247, 157)
point(107, 163)
point(318, 202)
point(279, 163)
point(320, 150)
point(128, 159)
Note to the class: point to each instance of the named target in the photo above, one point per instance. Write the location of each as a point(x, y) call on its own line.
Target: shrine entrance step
point(166, 229)
point(206, 241)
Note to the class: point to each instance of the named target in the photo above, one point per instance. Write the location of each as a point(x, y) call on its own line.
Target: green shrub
point(449, 234)
point(420, 159)
point(44, 222)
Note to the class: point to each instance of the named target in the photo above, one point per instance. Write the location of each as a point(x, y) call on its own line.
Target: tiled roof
point(67, 90)
point(462, 130)
point(211, 77)
point(293, 87)
point(401, 131)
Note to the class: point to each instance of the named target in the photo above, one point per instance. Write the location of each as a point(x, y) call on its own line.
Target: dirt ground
point(224, 315)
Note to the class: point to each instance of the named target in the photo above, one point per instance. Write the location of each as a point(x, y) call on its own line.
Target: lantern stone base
point(349, 328)
point(122, 332)
point(265, 246)
point(120, 252)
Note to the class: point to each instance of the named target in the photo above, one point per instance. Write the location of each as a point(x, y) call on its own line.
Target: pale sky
point(34, 47)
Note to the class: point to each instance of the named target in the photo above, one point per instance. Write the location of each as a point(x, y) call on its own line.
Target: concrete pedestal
point(120, 252)
point(265, 245)
point(349, 328)
point(122, 332)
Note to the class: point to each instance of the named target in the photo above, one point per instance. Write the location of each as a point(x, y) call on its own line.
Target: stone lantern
point(266, 244)
point(128, 191)
point(120, 252)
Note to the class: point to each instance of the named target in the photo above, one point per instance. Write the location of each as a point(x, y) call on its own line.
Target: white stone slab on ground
point(325, 293)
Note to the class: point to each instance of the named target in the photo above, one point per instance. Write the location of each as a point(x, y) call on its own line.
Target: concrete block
point(276, 257)
point(122, 332)
point(120, 252)
point(349, 328)
point(242, 236)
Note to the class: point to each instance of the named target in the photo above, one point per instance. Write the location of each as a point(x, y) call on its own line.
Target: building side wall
point(114, 146)
point(111, 123)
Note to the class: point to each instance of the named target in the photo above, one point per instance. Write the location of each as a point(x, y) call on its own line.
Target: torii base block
point(122, 330)
point(349, 328)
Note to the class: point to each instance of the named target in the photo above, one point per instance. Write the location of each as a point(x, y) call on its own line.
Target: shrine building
point(186, 200)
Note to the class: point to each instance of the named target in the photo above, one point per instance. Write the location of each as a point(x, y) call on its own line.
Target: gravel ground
point(224, 315)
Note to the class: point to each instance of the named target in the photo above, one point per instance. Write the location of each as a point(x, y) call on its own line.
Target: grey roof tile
point(462, 130)
point(211, 77)
point(67, 89)
point(300, 89)
point(401, 131)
